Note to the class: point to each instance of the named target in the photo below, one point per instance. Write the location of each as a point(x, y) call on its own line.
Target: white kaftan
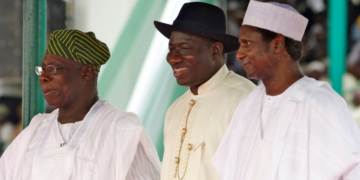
point(207, 122)
point(312, 136)
point(108, 144)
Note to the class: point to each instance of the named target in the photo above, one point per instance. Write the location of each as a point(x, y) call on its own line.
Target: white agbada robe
point(108, 144)
point(311, 136)
point(207, 123)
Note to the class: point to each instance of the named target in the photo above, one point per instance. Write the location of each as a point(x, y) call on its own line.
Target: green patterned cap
point(78, 46)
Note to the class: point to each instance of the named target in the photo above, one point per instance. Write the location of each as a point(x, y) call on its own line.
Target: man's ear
point(278, 44)
point(217, 50)
point(88, 72)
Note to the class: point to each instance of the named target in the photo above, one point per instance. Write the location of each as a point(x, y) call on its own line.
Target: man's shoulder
point(36, 122)
point(319, 91)
point(37, 119)
point(325, 95)
point(235, 81)
point(236, 85)
point(129, 121)
point(123, 119)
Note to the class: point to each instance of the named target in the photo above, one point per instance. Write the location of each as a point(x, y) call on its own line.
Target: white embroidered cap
point(276, 17)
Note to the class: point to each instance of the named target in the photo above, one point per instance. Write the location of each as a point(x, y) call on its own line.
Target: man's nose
point(44, 78)
point(240, 54)
point(173, 58)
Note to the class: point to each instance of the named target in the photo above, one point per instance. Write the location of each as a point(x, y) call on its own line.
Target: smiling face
point(191, 59)
point(254, 54)
point(65, 86)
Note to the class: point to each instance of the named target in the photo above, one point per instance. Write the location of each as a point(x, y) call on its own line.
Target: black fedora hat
point(203, 20)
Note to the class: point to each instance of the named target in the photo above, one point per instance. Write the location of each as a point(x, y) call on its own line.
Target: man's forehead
point(177, 36)
point(246, 30)
point(54, 59)
point(181, 35)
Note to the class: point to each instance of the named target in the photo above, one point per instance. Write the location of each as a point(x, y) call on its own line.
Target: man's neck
point(195, 89)
point(76, 112)
point(282, 80)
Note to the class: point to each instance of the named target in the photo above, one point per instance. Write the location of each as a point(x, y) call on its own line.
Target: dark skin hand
point(193, 59)
point(72, 88)
point(268, 62)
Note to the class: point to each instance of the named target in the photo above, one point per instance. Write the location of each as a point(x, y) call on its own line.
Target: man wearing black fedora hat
point(196, 122)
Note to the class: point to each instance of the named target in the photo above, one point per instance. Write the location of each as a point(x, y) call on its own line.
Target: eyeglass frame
point(39, 70)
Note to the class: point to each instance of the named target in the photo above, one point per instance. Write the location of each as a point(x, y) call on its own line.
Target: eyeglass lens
point(48, 69)
point(38, 70)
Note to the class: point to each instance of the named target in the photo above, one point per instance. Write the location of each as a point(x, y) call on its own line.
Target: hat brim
point(230, 42)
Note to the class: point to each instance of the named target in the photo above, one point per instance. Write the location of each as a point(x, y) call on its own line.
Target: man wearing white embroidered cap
point(291, 126)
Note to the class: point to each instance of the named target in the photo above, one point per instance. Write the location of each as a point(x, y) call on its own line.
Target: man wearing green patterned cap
point(80, 47)
point(84, 138)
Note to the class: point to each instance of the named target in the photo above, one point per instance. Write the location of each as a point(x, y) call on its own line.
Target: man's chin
point(251, 76)
point(182, 82)
point(52, 103)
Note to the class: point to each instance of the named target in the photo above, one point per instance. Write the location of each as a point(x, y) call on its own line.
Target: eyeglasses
point(49, 69)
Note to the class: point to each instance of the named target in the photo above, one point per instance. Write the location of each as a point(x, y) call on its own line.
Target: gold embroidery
point(189, 146)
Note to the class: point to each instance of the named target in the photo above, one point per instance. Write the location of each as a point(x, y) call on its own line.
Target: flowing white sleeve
point(136, 156)
point(142, 168)
point(334, 144)
point(13, 155)
point(8, 160)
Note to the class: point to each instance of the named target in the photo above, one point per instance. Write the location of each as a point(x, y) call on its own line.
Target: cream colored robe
point(208, 120)
point(312, 137)
point(109, 144)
